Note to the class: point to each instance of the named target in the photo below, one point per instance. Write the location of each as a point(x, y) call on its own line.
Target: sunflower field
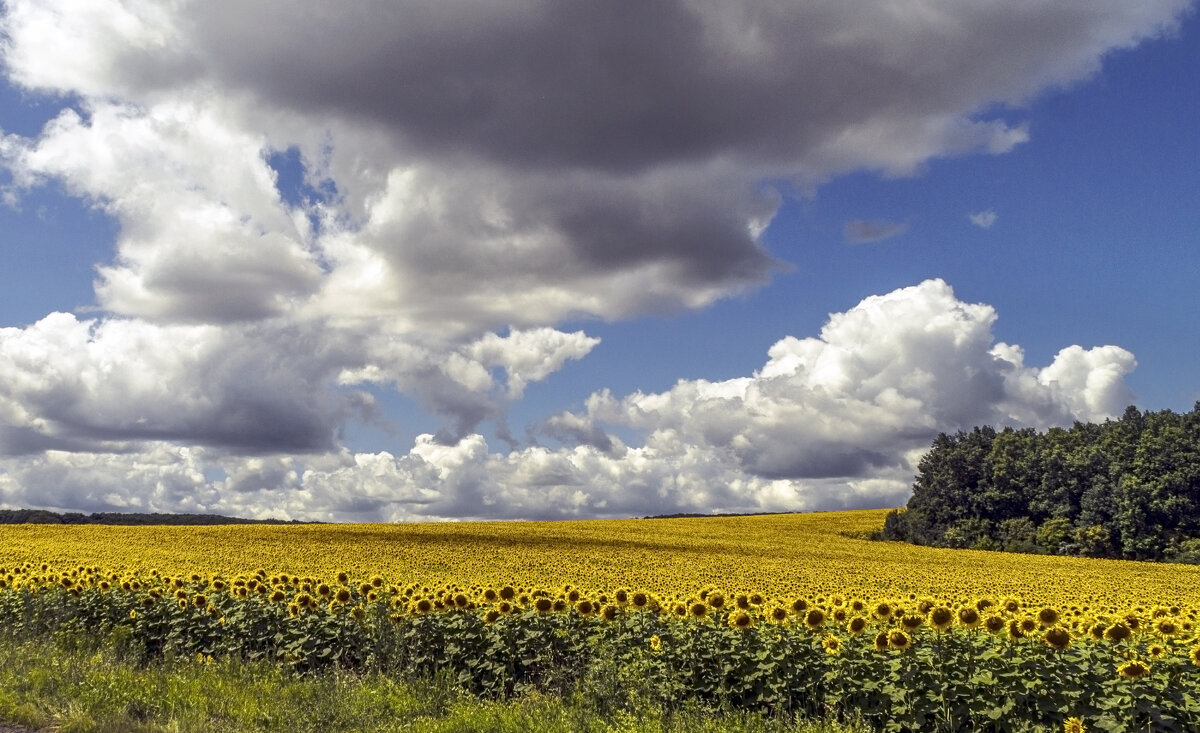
point(788, 614)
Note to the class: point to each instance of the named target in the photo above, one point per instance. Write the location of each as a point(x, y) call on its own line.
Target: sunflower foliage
point(898, 664)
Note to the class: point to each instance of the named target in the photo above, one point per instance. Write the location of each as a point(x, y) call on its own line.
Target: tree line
point(1127, 488)
point(42, 516)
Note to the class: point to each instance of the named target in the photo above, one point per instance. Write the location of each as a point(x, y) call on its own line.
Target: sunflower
point(778, 615)
point(881, 641)
point(1047, 617)
point(584, 608)
point(1194, 655)
point(342, 595)
point(831, 644)
point(610, 612)
point(1134, 669)
point(1057, 637)
point(815, 618)
point(1014, 630)
point(1011, 605)
point(800, 605)
point(742, 601)
point(1096, 630)
point(491, 616)
point(699, 609)
point(857, 625)
point(1156, 651)
point(911, 622)
point(1166, 627)
point(968, 617)
point(741, 620)
point(883, 611)
point(1028, 625)
point(640, 599)
point(716, 600)
point(507, 593)
point(543, 605)
point(1073, 725)
point(655, 643)
point(1118, 632)
point(898, 639)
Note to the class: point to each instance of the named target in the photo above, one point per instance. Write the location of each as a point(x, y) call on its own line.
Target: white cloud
point(837, 420)
point(983, 219)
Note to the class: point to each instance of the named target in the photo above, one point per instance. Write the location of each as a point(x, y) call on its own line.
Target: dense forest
point(1127, 488)
point(41, 516)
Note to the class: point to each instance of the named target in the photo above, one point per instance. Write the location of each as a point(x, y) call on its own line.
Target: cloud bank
point(472, 176)
point(831, 421)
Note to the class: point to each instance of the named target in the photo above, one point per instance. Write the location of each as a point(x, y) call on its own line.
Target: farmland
point(780, 614)
point(778, 555)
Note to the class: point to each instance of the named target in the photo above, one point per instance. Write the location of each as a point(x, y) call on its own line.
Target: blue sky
point(359, 278)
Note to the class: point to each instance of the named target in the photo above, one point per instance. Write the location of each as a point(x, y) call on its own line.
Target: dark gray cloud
point(859, 231)
point(627, 85)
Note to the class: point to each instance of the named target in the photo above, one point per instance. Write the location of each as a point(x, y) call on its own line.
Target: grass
point(74, 685)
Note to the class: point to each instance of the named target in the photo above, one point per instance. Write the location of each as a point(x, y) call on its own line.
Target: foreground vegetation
point(78, 684)
point(1129, 488)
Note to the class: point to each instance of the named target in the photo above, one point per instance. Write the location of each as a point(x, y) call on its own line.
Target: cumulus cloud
point(265, 387)
point(859, 231)
point(983, 219)
point(830, 421)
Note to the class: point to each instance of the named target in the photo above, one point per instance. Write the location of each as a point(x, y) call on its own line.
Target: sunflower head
point(941, 617)
point(741, 620)
point(1047, 616)
point(911, 622)
point(815, 618)
point(831, 644)
point(881, 641)
point(1073, 725)
point(1134, 669)
point(968, 617)
point(857, 625)
point(1118, 632)
point(898, 639)
point(1166, 627)
point(1056, 637)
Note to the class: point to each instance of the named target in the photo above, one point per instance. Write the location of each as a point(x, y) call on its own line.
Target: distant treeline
point(1127, 488)
point(41, 516)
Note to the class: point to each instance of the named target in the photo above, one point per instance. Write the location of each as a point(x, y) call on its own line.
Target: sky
point(409, 261)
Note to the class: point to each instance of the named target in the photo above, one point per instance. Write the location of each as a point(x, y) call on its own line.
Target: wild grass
point(74, 684)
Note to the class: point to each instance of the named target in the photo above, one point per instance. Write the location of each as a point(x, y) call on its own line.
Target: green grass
point(73, 685)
